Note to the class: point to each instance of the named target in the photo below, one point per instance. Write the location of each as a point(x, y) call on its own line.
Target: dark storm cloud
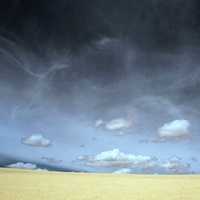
point(69, 23)
point(42, 30)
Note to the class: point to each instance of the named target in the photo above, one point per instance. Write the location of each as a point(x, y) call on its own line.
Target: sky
point(100, 86)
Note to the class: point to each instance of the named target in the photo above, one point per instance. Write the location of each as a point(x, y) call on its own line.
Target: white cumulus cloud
point(115, 158)
point(118, 124)
point(175, 129)
point(37, 140)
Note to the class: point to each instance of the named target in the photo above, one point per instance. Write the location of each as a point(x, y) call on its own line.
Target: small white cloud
point(175, 129)
point(99, 123)
point(21, 165)
point(118, 124)
point(36, 140)
point(122, 171)
point(115, 158)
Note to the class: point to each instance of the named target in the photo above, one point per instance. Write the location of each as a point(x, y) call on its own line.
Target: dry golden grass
point(28, 185)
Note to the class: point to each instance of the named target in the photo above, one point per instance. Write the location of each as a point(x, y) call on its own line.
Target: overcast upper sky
point(106, 86)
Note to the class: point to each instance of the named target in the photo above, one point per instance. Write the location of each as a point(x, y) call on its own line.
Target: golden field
point(36, 185)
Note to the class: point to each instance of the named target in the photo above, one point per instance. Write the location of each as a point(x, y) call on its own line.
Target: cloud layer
point(127, 163)
point(176, 167)
point(21, 165)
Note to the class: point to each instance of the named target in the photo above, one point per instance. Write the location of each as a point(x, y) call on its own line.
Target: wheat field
point(36, 185)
